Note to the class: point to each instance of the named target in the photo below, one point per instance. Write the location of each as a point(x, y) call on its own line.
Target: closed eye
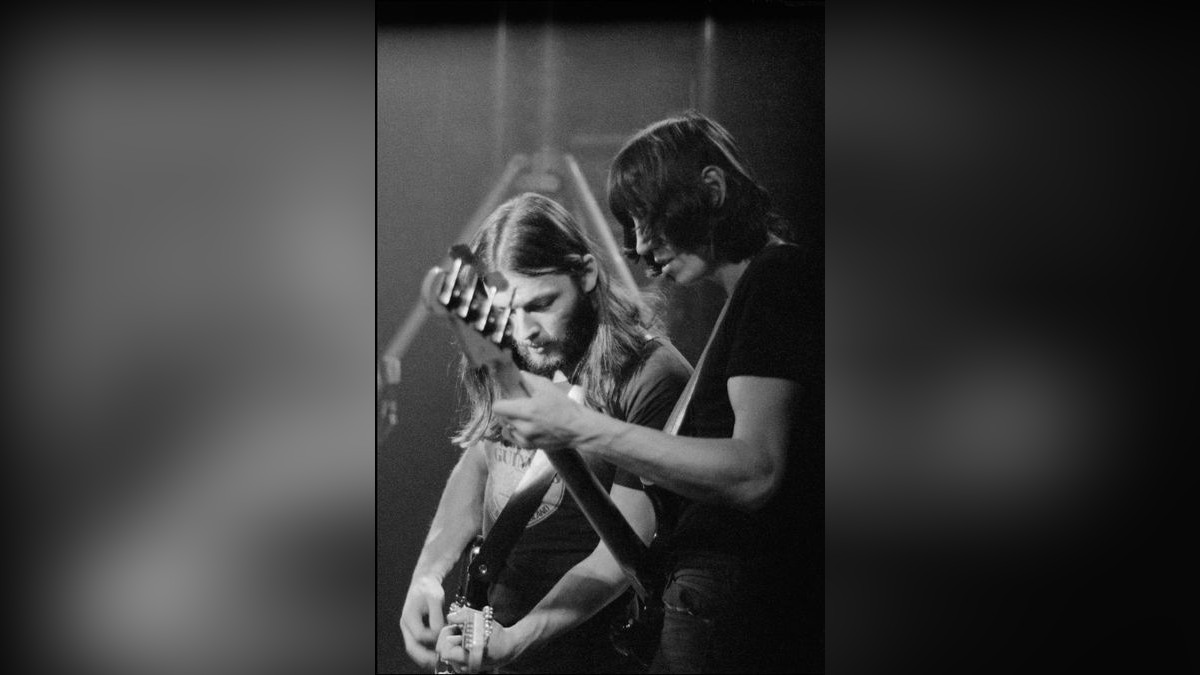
point(540, 303)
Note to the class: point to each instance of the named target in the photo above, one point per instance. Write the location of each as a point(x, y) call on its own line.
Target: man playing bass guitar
point(566, 316)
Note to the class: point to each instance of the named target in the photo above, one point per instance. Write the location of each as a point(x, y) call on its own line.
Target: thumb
point(436, 619)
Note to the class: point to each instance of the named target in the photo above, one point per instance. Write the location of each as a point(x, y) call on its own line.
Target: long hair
point(533, 235)
point(656, 178)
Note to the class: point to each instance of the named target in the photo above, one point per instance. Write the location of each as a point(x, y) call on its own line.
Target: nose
point(525, 328)
point(645, 245)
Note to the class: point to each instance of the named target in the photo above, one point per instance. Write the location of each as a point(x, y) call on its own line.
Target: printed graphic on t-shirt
point(506, 467)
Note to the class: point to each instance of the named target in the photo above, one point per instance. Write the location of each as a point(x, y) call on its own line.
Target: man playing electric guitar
point(565, 316)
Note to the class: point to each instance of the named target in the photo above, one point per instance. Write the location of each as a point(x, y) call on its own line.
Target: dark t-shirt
point(558, 535)
point(774, 327)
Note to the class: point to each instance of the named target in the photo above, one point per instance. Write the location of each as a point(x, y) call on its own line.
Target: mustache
point(538, 364)
point(653, 269)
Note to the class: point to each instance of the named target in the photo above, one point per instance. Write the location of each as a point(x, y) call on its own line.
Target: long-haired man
point(567, 316)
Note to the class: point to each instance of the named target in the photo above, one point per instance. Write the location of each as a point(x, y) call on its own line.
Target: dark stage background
point(462, 88)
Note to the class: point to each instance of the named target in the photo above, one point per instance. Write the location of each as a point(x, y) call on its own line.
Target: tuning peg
point(483, 303)
point(449, 282)
point(501, 320)
point(464, 290)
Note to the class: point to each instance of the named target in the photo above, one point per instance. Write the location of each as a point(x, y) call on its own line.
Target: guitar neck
point(608, 521)
point(597, 506)
point(508, 379)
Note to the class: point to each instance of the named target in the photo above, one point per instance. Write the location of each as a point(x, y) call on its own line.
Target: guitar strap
point(678, 413)
point(492, 557)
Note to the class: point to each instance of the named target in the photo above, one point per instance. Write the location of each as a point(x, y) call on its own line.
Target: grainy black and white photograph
point(600, 333)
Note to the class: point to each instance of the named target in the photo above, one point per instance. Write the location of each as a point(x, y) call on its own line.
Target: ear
point(714, 182)
point(588, 278)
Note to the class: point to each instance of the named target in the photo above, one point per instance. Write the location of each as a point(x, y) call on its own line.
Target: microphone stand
point(387, 394)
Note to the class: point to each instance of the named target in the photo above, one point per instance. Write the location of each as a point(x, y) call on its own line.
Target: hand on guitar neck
point(548, 402)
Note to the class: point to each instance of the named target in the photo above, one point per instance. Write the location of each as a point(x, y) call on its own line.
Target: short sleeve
point(651, 392)
point(780, 325)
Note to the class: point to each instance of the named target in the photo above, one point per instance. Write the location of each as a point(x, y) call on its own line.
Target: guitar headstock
point(478, 309)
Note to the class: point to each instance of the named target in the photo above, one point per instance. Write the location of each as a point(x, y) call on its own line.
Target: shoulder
point(649, 392)
point(782, 262)
point(779, 275)
point(775, 324)
point(660, 359)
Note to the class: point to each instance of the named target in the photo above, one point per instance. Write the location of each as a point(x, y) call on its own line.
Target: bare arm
point(458, 519)
point(459, 515)
point(742, 472)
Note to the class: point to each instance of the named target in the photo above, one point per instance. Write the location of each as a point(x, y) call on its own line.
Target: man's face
point(553, 322)
point(682, 266)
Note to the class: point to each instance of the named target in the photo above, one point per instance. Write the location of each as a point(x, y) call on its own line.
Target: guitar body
point(472, 597)
point(638, 635)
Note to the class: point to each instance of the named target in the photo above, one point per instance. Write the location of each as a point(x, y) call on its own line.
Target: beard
point(563, 354)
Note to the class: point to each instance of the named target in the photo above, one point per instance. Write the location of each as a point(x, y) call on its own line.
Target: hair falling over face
point(657, 183)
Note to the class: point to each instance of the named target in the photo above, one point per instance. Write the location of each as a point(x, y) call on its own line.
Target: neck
point(729, 273)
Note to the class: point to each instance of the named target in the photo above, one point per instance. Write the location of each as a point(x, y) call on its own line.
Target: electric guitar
point(478, 312)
